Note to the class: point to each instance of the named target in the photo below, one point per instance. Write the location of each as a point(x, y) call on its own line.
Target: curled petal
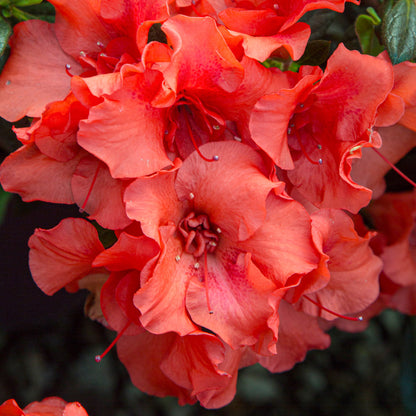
point(64, 254)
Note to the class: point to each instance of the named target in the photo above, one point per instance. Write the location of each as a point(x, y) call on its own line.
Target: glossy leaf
point(399, 31)
point(365, 28)
point(5, 32)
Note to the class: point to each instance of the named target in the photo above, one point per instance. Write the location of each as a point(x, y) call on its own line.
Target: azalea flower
point(51, 406)
point(314, 130)
point(223, 260)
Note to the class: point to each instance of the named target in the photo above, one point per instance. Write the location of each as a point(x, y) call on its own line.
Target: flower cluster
point(233, 188)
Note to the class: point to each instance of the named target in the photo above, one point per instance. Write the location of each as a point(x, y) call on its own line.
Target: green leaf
point(42, 11)
point(21, 15)
point(316, 53)
point(399, 31)
point(4, 200)
point(5, 32)
point(365, 28)
point(25, 3)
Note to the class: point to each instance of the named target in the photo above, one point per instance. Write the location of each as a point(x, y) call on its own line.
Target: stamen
point(302, 147)
point(214, 159)
point(397, 170)
point(349, 318)
point(210, 311)
point(67, 69)
point(195, 10)
point(82, 209)
point(98, 358)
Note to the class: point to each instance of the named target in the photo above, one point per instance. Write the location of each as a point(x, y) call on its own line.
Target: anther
point(216, 127)
point(289, 131)
point(216, 158)
point(276, 6)
point(67, 69)
point(191, 136)
point(213, 243)
point(196, 265)
point(98, 358)
point(100, 44)
point(319, 146)
point(238, 139)
point(177, 258)
point(218, 230)
point(191, 195)
point(83, 54)
point(320, 161)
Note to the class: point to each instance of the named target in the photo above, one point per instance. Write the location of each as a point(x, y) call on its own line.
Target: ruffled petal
point(235, 292)
point(237, 206)
point(16, 175)
point(283, 245)
point(161, 299)
point(35, 72)
point(97, 193)
point(63, 254)
point(298, 333)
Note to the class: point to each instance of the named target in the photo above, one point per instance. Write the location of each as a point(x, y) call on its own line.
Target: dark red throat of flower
point(338, 315)
point(201, 239)
point(98, 358)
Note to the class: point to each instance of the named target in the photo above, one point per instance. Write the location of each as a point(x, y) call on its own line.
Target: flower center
point(200, 237)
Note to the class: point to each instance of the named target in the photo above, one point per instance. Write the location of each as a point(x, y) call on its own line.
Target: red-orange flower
point(223, 260)
point(51, 406)
point(312, 131)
